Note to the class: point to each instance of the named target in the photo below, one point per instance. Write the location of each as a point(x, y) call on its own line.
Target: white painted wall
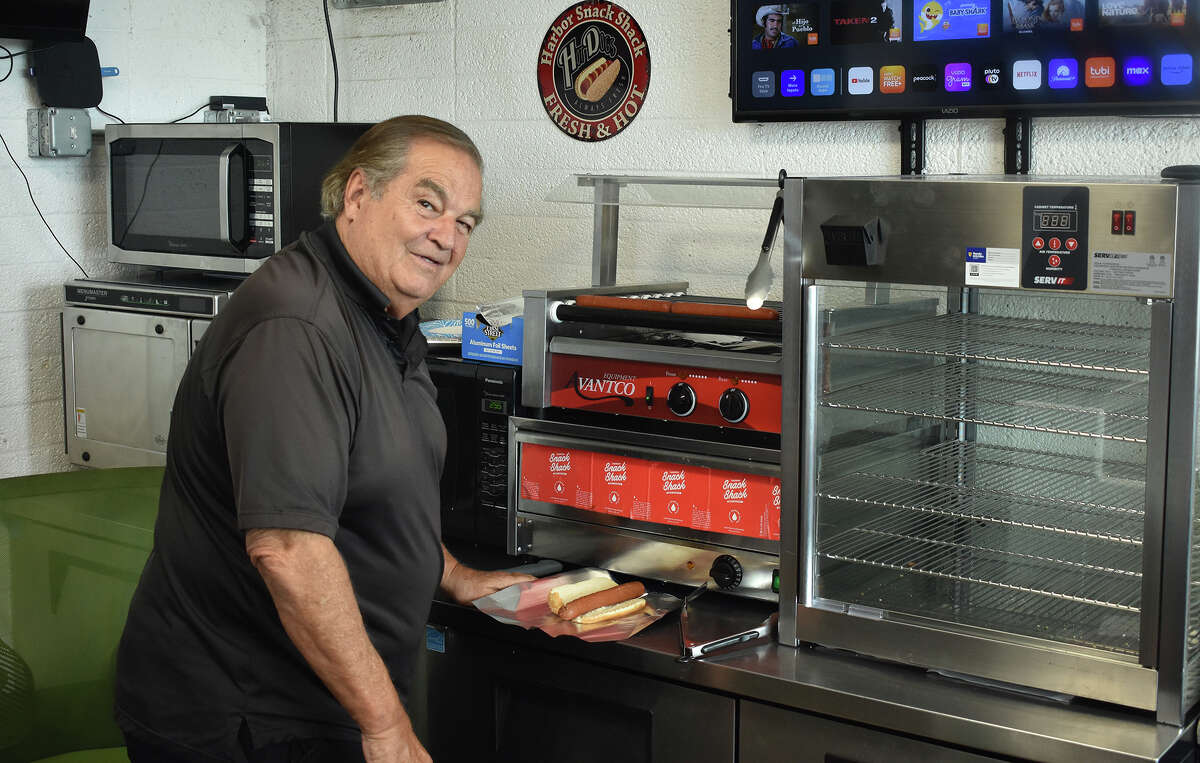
point(172, 56)
point(473, 62)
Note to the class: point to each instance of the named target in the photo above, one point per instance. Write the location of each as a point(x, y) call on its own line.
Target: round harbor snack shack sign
point(593, 70)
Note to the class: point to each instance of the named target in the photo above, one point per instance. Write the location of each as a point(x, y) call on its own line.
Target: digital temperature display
point(494, 406)
point(1054, 221)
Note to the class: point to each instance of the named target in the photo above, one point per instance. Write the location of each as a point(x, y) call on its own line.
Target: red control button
point(1055, 243)
point(1072, 245)
point(1038, 242)
point(1055, 260)
point(1117, 225)
point(1129, 222)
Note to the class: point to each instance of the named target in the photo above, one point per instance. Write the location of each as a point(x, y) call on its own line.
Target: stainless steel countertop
point(851, 688)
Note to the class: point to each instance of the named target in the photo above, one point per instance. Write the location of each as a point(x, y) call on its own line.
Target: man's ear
point(355, 192)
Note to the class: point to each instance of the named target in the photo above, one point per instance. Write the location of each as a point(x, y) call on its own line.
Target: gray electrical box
point(372, 3)
point(55, 131)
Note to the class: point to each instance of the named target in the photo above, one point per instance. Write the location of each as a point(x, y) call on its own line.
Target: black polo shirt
point(305, 407)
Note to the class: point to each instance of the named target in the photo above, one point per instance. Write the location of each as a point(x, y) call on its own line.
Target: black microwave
point(476, 400)
point(216, 197)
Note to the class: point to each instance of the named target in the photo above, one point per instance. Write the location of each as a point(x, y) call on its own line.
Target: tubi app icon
point(1099, 72)
point(1062, 73)
point(861, 80)
point(1136, 71)
point(958, 77)
point(823, 81)
point(1176, 69)
point(791, 82)
point(1027, 74)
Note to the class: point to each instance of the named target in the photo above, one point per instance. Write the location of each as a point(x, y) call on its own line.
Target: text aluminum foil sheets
point(524, 605)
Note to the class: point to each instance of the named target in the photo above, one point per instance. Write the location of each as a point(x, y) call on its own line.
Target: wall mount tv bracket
point(1017, 140)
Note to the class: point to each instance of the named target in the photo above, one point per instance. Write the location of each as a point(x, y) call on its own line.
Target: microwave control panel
point(262, 194)
point(1054, 238)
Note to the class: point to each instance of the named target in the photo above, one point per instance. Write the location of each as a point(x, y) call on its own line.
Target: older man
point(770, 18)
point(297, 545)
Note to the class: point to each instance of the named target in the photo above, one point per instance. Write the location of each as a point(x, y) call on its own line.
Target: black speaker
point(68, 73)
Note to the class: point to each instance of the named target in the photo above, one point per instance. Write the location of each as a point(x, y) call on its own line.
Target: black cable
point(194, 113)
point(332, 55)
point(110, 116)
point(39, 211)
point(9, 55)
point(145, 188)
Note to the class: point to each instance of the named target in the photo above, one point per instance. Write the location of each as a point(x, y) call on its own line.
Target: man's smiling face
point(409, 237)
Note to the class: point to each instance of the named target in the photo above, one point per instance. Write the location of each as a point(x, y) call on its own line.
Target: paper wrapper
point(524, 604)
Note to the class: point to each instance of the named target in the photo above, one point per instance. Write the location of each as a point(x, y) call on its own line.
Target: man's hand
point(398, 744)
point(465, 585)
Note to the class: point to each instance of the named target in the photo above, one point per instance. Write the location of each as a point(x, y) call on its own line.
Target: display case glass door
point(980, 464)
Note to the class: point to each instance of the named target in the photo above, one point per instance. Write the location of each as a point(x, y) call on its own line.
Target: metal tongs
point(698, 650)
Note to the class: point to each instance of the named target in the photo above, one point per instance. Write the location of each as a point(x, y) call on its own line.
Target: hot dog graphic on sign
point(593, 70)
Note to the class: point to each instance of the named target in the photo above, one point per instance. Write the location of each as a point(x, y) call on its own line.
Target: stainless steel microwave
point(216, 197)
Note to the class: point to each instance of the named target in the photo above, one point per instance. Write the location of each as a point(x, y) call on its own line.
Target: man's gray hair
point(382, 153)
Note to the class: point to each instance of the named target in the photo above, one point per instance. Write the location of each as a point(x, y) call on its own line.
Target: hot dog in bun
point(596, 600)
point(596, 78)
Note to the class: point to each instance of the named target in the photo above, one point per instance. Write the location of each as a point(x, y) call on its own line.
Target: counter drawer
point(770, 734)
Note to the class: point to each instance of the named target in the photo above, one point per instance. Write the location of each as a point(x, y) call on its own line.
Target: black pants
point(299, 751)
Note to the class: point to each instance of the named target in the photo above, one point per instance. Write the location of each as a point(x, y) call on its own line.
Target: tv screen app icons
point(860, 80)
point(1027, 74)
point(1176, 69)
point(891, 79)
point(822, 81)
point(1062, 73)
point(925, 78)
point(958, 77)
point(791, 82)
point(1100, 72)
point(1135, 70)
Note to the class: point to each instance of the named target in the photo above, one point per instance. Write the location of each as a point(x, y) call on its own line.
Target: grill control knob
point(734, 405)
point(681, 399)
point(726, 571)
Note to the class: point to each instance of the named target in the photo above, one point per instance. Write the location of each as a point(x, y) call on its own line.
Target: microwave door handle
point(223, 193)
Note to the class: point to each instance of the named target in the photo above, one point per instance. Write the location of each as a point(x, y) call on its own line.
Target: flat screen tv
point(882, 59)
point(44, 20)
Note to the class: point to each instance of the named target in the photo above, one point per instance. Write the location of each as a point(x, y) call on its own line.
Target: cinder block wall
point(172, 55)
point(473, 62)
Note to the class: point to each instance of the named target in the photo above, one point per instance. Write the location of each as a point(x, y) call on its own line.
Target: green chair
point(72, 547)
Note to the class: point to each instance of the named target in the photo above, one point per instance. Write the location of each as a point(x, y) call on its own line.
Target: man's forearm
point(313, 595)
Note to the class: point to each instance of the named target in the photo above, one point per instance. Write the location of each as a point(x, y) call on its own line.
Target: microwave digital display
point(874, 59)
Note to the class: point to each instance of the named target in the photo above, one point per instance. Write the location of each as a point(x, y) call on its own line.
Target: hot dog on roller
point(592, 601)
point(596, 78)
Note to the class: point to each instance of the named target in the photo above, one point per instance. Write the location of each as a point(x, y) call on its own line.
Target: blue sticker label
point(435, 640)
point(975, 254)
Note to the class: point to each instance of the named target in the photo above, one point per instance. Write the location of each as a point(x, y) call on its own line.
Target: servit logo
point(1136, 71)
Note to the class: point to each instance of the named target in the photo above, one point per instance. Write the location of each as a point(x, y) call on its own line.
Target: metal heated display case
point(651, 442)
point(1002, 482)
